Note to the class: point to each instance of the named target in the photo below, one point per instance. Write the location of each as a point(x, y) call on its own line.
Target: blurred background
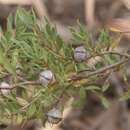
point(94, 14)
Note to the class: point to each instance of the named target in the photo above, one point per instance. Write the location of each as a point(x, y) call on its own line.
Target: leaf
point(10, 23)
point(31, 111)
point(12, 106)
point(125, 74)
point(105, 102)
point(81, 99)
point(81, 35)
point(23, 18)
point(119, 25)
point(19, 119)
point(115, 42)
point(125, 96)
point(7, 111)
point(82, 93)
point(105, 87)
point(104, 36)
point(15, 58)
point(93, 88)
point(114, 29)
point(5, 62)
point(21, 101)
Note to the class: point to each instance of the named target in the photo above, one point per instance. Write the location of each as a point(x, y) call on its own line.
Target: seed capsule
point(54, 116)
point(46, 77)
point(80, 53)
point(6, 88)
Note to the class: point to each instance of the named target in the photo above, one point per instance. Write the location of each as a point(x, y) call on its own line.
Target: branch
point(116, 53)
point(80, 77)
point(21, 83)
point(27, 83)
point(109, 52)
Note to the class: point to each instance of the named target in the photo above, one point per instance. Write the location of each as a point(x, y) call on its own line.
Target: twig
point(108, 52)
point(116, 53)
point(26, 83)
point(54, 52)
point(21, 83)
point(109, 67)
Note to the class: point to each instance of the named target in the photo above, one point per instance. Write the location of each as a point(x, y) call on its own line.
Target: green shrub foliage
point(28, 49)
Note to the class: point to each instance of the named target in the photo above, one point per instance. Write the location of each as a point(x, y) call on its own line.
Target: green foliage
point(126, 96)
point(29, 49)
point(81, 98)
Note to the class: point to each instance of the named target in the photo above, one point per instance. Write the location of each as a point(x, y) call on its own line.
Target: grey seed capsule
point(46, 77)
point(5, 85)
point(80, 53)
point(54, 116)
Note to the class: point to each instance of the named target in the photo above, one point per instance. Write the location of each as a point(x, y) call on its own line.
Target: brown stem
point(116, 53)
point(109, 52)
point(109, 67)
point(20, 84)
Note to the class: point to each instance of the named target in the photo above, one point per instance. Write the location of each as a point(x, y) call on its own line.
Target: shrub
point(39, 70)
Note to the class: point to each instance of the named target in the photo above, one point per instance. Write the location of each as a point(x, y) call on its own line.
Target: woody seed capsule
point(54, 116)
point(80, 53)
point(46, 77)
point(6, 88)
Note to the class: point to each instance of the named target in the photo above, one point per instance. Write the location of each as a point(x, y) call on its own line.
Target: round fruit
point(46, 77)
point(80, 53)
